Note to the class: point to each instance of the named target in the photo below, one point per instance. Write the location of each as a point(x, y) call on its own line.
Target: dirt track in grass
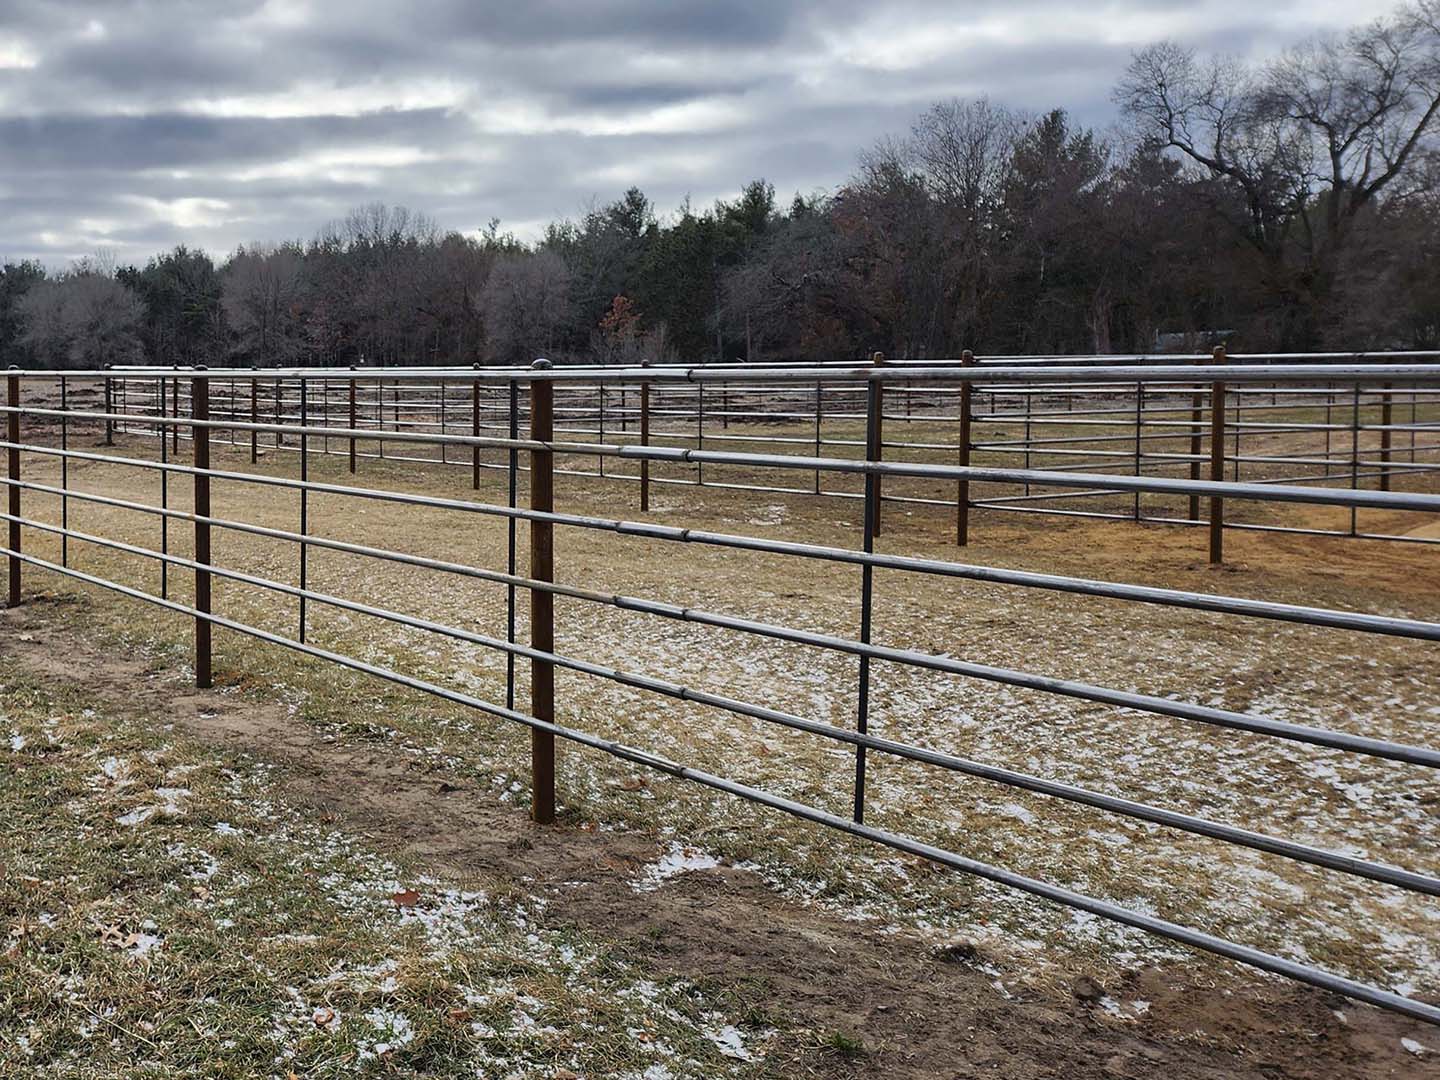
point(918, 1012)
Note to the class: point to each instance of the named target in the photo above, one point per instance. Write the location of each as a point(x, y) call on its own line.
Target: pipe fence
point(63, 418)
point(1356, 432)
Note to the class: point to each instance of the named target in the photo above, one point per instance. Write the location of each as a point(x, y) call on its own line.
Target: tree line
point(1285, 205)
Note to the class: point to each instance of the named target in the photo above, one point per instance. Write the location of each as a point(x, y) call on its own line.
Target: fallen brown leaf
point(405, 898)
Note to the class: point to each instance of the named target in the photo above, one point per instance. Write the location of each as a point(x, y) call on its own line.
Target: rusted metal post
point(475, 433)
point(645, 441)
point(110, 411)
point(174, 411)
point(819, 415)
point(873, 399)
point(542, 603)
point(444, 458)
point(304, 499)
point(351, 404)
point(64, 472)
point(700, 430)
point(200, 411)
point(874, 441)
point(1197, 440)
point(254, 416)
point(1386, 413)
point(962, 486)
point(1217, 463)
point(12, 459)
point(164, 497)
point(1355, 455)
point(1139, 425)
point(513, 469)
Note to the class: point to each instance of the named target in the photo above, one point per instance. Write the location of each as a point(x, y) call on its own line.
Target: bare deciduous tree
point(84, 319)
point(1311, 141)
point(524, 303)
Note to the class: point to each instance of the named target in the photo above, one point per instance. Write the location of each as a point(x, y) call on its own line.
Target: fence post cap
point(541, 365)
point(475, 367)
point(877, 358)
point(1218, 353)
point(967, 358)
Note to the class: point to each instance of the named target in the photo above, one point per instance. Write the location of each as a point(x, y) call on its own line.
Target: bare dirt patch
point(910, 1011)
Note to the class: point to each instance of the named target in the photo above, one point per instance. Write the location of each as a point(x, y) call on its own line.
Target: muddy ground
point(921, 1013)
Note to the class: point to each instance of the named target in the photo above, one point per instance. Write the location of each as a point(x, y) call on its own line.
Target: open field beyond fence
point(1264, 775)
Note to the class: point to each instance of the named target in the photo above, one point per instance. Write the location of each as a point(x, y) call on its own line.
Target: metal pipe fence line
point(1359, 430)
point(76, 417)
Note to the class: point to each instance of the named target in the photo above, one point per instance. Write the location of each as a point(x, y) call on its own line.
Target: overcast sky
point(134, 125)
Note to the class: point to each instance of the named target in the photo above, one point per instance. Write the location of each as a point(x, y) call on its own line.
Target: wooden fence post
point(875, 439)
point(1217, 463)
point(645, 440)
point(12, 435)
point(962, 487)
point(200, 410)
point(542, 603)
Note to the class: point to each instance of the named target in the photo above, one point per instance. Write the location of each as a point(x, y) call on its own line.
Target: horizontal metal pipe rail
point(1350, 864)
point(1056, 894)
point(545, 448)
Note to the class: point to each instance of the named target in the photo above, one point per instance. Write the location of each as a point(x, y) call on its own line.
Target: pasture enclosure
point(110, 474)
point(1324, 431)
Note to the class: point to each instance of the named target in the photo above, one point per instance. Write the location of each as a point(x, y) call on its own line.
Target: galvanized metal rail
point(1374, 432)
point(196, 415)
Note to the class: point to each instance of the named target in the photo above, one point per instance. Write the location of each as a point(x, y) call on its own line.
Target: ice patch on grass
point(680, 859)
point(729, 1040)
point(395, 1031)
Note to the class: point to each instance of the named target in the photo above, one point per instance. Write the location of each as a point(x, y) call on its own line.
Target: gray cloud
point(137, 124)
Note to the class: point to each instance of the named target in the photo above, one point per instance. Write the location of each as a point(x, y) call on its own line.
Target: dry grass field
point(392, 760)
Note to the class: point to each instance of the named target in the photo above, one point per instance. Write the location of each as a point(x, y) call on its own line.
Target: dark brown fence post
point(875, 439)
point(542, 603)
point(1217, 463)
point(110, 410)
point(304, 500)
point(12, 456)
point(645, 440)
point(1197, 440)
point(200, 411)
point(873, 397)
point(475, 433)
point(962, 487)
point(352, 421)
point(254, 415)
point(1386, 412)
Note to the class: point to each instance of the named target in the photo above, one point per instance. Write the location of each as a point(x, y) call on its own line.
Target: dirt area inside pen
point(714, 878)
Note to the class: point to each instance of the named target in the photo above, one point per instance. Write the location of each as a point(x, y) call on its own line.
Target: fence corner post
point(12, 456)
point(200, 412)
point(962, 487)
point(542, 602)
point(644, 440)
point(1217, 462)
